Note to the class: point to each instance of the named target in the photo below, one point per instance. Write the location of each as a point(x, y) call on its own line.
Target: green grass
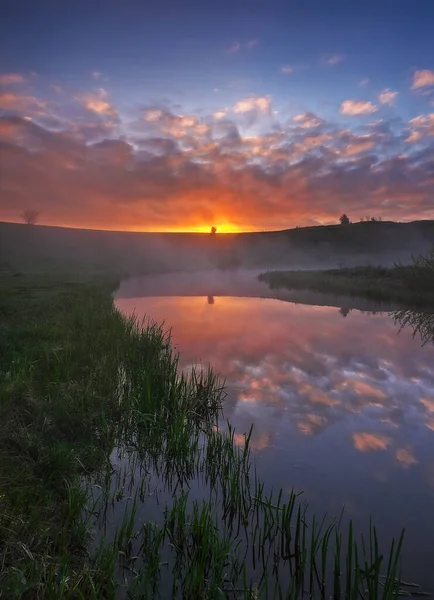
point(80, 384)
point(409, 285)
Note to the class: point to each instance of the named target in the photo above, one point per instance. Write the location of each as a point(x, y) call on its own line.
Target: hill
point(40, 248)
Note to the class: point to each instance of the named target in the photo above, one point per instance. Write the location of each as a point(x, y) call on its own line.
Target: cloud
point(96, 74)
point(387, 97)
point(333, 59)
point(259, 103)
point(153, 115)
point(423, 78)
point(171, 166)
point(347, 144)
point(357, 107)
point(178, 126)
point(57, 88)
point(421, 127)
point(234, 47)
point(237, 46)
point(97, 102)
point(286, 69)
point(22, 103)
point(11, 78)
point(364, 82)
point(307, 120)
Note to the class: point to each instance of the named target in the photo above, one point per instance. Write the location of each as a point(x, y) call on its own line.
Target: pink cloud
point(357, 107)
point(307, 120)
point(21, 103)
point(423, 78)
point(11, 78)
point(387, 97)
point(421, 127)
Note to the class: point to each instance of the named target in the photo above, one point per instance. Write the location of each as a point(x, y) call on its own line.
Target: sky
point(180, 115)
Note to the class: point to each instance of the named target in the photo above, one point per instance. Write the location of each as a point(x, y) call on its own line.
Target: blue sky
point(298, 102)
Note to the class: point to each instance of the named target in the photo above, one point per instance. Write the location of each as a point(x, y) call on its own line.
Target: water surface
point(341, 400)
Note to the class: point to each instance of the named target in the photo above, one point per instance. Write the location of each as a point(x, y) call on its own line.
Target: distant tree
point(344, 220)
point(213, 230)
point(30, 217)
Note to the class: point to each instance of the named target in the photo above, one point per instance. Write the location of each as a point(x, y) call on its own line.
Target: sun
point(224, 227)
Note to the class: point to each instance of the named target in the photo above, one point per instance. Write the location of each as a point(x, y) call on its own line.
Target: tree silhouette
point(213, 230)
point(344, 220)
point(30, 217)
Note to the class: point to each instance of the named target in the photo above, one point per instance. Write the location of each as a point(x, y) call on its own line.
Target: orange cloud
point(261, 103)
point(423, 78)
point(97, 103)
point(357, 107)
point(184, 170)
point(370, 442)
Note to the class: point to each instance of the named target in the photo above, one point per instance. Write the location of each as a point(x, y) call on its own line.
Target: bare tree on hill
point(30, 217)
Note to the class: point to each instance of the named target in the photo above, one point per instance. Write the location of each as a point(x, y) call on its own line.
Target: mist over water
point(341, 400)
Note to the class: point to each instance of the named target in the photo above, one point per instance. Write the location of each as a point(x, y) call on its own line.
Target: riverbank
point(410, 286)
point(80, 385)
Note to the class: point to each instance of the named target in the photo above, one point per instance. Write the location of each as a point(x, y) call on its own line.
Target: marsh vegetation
point(410, 285)
point(119, 477)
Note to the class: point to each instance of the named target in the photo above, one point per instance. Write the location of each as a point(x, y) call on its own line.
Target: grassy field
point(410, 285)
point(79, 383)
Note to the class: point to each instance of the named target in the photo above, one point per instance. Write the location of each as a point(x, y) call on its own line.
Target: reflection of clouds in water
point(342, 408)
point(258, 443)
point(304, 367)
point(405, 457)
point(429, 406)
point(369, 442)
point(312, 424)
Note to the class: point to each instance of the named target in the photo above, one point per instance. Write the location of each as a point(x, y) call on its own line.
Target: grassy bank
point(410, 285)
point(94, 418)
